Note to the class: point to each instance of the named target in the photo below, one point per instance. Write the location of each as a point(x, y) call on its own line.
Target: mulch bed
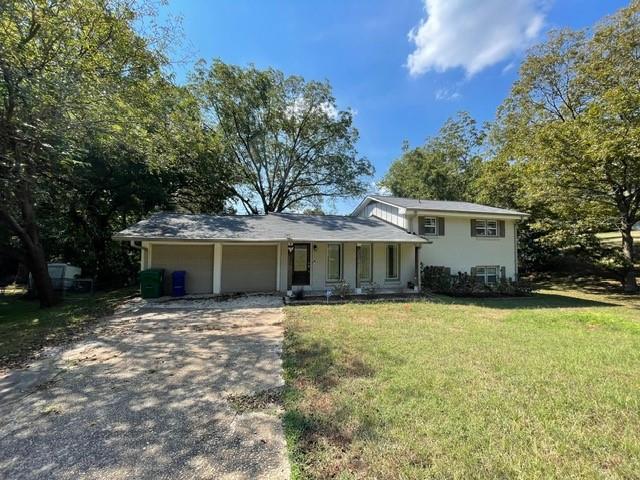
point(381, 297)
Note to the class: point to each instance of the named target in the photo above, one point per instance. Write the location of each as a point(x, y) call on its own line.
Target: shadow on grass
point(25, 328)
point(536, 300)
point(317, 424)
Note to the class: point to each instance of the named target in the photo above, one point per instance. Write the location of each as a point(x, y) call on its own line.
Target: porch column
point(290, 266)
point(358, 247)
point(217, 268)
point(416, 261)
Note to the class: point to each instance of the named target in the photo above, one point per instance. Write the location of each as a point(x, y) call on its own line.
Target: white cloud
point(447, 94)
point(508, 67)
point(472, 34)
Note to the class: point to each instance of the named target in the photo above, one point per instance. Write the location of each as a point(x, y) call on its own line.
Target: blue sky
point(461, 55)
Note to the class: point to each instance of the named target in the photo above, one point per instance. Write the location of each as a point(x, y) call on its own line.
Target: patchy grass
point(540, 387)
point(615, 238)
point(25, 328)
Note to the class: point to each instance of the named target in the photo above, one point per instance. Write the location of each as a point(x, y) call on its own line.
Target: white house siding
point(319, 281)
point(385, 212)
point(458, 250)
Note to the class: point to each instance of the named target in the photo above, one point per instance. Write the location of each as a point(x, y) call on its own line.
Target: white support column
point(217, 268)
point(278, 266)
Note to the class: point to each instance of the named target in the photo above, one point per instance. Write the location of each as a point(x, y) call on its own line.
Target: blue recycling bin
point(178, 283)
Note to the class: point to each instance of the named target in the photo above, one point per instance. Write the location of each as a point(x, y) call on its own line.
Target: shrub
point(370, 288)
point(439, 280)
point(341, 289)
point(436, 279)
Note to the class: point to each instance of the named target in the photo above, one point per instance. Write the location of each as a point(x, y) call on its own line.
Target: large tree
point(573, 121)
point(67, 70)
point(286, 142)
point(444, 167)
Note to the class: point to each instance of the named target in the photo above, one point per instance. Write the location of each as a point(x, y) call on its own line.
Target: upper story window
point(430, 225)
point(486, 228)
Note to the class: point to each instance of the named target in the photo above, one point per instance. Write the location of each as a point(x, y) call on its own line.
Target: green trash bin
point(152, 282)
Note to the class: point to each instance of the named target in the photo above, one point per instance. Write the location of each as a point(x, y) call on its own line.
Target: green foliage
point(439, 280)
point(434, 278)
point(571, 125)
point(93, 134)
point(285, 139)
point(444, 167)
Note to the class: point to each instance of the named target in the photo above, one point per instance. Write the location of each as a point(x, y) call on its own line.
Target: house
point(465, 237)
point(383, 242)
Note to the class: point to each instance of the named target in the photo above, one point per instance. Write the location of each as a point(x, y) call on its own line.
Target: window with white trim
point(488, 275)
point(392, 262)
point(430, 225)
point(334, 262)
point(486, 228)
point(364, 262)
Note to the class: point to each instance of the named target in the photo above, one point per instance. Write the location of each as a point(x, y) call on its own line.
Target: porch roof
point(265, 228)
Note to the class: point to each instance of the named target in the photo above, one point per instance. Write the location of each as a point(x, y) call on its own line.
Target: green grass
point(615, 238)
point(25, 328)
point(543, 387)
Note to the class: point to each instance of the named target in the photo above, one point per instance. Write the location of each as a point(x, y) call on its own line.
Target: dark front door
point(301, 264)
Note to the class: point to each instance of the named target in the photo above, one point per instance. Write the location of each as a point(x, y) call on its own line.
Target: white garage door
point(248, 268)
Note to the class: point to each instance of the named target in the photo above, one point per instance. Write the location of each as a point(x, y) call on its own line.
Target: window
point(486, 228)
point(488, 275)
point(430, 226)
point(364, 262)
point(334, 262)
point(392, 262)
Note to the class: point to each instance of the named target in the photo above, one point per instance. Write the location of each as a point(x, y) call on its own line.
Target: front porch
point(360, 268)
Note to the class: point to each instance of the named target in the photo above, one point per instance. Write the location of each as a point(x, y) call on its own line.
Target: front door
point(301, 264)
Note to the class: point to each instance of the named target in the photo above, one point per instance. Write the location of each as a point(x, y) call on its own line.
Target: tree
point(573, 121)
point(67, 69)
point(283, 138)
point(444, 167)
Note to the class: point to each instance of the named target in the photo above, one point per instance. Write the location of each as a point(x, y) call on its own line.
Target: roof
point(440, 206)
point(260, 228)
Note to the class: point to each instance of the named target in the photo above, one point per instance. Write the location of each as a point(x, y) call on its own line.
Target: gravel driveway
point(176, 390)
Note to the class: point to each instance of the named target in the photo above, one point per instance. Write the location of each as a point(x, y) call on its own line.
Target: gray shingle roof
point(444, 206)
point(272, 227)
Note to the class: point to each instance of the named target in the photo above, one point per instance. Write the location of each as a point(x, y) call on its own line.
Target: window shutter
point(501, 228)
point(473, 228)
point(503, 273)
point(440, 226)
point(421, 226)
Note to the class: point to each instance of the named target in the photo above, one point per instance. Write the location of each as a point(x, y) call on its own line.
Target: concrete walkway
point(152, 394)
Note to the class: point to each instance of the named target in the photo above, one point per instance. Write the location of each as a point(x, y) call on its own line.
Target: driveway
point(176, 390)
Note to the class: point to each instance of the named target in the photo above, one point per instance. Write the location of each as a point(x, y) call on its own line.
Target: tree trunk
point(29, 235)
point(629, 283)
point(41, 279)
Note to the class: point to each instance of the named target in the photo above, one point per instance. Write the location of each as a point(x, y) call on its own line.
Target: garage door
point(196, 260)
point(248, 268)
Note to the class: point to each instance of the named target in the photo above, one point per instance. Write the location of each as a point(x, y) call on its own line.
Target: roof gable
point(438, 206)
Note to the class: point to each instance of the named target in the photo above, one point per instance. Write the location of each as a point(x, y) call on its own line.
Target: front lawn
point(542, 387)
point(25, 328)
